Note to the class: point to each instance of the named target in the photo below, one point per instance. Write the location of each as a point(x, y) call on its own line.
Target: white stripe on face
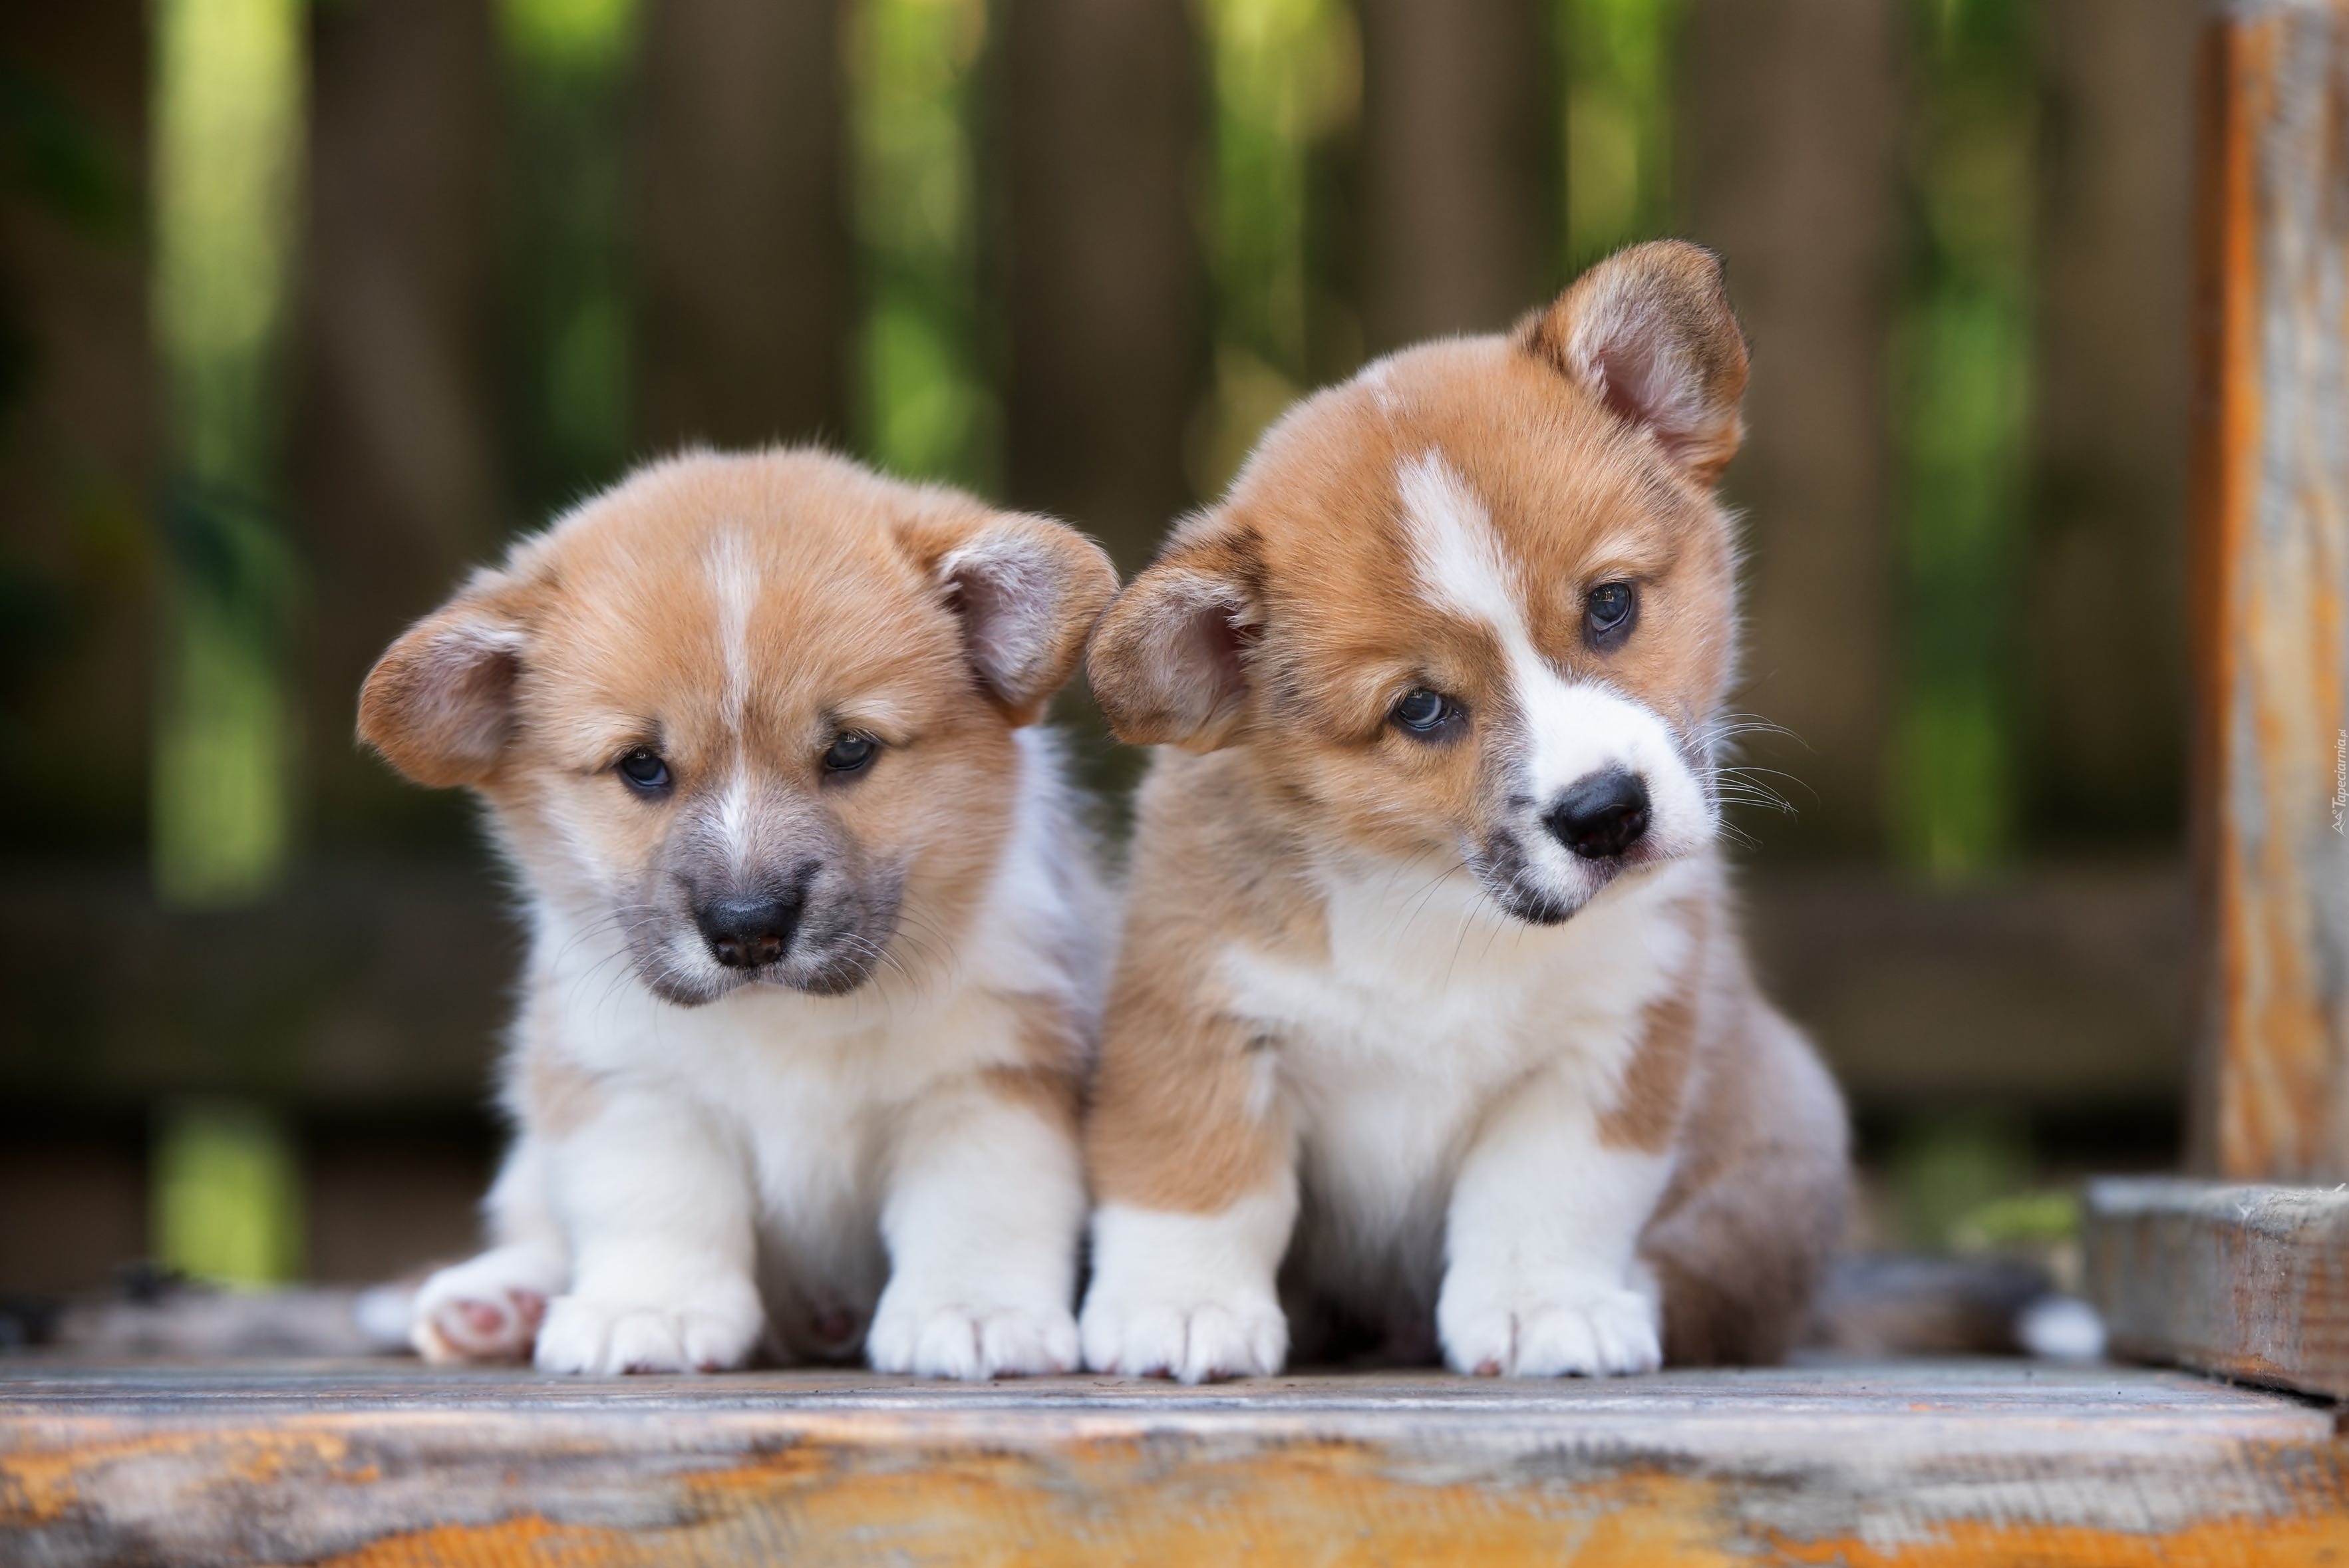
point(1572, 729)
point(734, 585)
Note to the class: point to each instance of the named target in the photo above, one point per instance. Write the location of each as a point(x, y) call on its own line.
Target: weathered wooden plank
point(2271, 586)
point(1924, 1464)
point(2246, 1282)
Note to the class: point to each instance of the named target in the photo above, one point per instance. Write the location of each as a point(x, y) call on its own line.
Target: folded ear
point(1027, 589)
point(1648, 332)
point(1168, 664)
point(439, 705)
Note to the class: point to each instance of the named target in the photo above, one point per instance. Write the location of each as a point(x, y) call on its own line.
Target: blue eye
point(644, 770)
point(1423, 712)
point(1607, 610)
point(850, 752)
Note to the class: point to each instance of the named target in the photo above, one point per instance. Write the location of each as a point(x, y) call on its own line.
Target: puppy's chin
point(1539, 895)
point(693, 981)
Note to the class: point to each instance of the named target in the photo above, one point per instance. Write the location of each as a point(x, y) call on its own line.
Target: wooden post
point(2269, 587)
point(2251, 1280)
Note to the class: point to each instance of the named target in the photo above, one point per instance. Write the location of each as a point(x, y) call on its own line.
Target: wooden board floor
point(1920, 1463)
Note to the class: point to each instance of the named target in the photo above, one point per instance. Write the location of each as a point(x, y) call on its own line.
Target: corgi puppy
point(816, 938)
point(1432, 1023)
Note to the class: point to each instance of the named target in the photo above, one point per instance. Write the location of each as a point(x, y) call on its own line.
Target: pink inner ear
point(1633, 368)
point(465, 701)
point(1184, 672)
point(1008, 602)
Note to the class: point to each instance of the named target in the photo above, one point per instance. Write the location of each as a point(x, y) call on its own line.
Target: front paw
point(1563, 1328)
point(1193, 1338)
point(945, 1334)
point(487, 1309)
point(709, 1330)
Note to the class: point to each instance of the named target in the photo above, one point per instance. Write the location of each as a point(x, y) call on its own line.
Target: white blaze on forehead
point(734, 588)
point(1572, 729)
point(1462, 567)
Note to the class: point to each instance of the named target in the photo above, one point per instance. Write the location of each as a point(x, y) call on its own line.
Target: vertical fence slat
point(2270, 589)
point(78, 435)
point(2102, 738)
point(1097, 122)
point(1457, 206)
point(1790, 130)
point(740, 236)
point(396, 459)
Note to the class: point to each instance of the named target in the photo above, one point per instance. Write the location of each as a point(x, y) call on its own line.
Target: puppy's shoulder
point(1213, 856)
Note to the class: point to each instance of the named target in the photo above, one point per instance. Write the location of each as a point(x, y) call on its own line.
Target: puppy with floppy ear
point(1432, 1032)
point(816, 946)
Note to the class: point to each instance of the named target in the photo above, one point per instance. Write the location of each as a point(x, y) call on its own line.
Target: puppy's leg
point(1190, 1155)
point(489, 1308)
point(658, 1203)
point(1540, 1279)
point(985, 1203)
point(1756, 1209)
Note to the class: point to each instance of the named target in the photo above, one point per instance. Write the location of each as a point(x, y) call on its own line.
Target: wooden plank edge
point(2250, 1283)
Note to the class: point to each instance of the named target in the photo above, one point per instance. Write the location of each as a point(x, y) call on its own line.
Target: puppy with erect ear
point(816, 938)
point(1432, 1032)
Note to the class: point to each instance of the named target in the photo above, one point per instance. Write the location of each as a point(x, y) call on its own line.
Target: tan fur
point(1276, 631)
point(621, 623)
point(1171, 1127)
point(837, 971)
point(1646, 1112)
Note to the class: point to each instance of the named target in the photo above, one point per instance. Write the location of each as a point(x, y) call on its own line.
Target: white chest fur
point(1431, 1006)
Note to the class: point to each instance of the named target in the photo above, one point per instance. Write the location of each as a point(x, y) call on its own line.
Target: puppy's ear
point(1648, 332)
point(439, 704)
point(1027, 589)
point(1169, 662)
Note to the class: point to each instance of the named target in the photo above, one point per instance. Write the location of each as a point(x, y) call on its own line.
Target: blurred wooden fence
point(1075, 251)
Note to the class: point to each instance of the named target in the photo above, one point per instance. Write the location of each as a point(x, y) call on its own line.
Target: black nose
point(1603, 815)
point(745, 933)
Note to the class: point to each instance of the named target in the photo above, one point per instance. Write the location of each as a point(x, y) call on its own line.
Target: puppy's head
point(1476, 603)
point(752, 713)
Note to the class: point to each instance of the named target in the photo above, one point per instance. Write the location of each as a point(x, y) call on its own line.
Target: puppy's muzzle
point(749, 932)
point(1601, 816)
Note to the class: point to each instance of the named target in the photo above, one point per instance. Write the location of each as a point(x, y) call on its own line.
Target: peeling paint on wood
point(2270, 588)
point(2246, 1282)
point(1914, 1464)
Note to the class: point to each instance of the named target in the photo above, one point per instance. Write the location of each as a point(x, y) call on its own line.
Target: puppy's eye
point(1424, 712)
point(1608, 612)
point(644, 770)
point(850, 753)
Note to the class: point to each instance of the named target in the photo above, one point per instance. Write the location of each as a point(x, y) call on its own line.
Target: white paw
point(933, 1334)
point(705, 1330)
point(1195, 1340)
point(488, 1309)
point(1568, 1328)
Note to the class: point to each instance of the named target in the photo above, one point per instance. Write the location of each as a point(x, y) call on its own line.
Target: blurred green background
point(306, 305)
